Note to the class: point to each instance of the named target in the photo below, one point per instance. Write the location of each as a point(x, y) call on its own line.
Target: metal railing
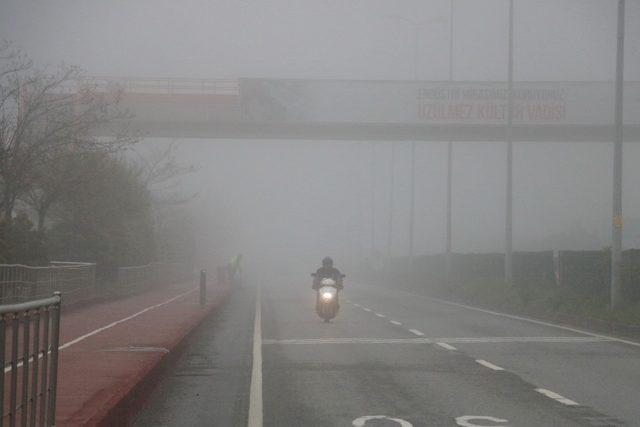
point(138, 277)
point(20, 283)
point(29, 342)
point(163, 85)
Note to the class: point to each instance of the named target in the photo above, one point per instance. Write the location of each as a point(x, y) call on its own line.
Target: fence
point(29, 334)
point(20, 283)
point(139, 277)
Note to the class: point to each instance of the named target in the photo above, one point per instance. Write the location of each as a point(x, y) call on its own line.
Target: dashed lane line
point(446, 346)
point(603, 337)
point(395, 322)
point(380, 315)
point(366, 309)
point(489, 365)
point(557, 397)
point(416, 332)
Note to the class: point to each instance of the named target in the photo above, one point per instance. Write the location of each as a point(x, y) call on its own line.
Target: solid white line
point(348, 341)
point(380, 315)
point(416, 332)
point(489, 365)
point(103, 328)
point(395, 322)
point(480, 340)
point(366, 309)
point(125, 319)
point(255, 392)
point(557, 397)
point(514, 317)
point(446, 346)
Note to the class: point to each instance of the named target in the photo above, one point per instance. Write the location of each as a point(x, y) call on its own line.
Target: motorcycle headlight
point(327, 296)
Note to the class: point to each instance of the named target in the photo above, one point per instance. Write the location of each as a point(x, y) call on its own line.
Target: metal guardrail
point(143, 276)
point(20, 283)
point(29, 342)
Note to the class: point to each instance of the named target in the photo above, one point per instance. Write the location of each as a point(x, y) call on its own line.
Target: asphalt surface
point(390, 355)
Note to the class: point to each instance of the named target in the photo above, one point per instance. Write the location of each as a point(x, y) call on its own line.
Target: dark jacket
point(327, 273)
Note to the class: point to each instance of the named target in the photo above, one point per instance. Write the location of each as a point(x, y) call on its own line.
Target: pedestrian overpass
point(371, 110)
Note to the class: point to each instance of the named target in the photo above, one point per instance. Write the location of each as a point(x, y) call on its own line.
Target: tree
point(41, 113)
point(106, 220)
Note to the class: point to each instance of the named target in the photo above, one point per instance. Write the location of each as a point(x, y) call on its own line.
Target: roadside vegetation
point(68, 195)
point(540, 300)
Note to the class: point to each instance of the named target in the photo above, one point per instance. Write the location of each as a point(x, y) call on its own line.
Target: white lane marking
point(103, 328)
point(466, 421)
point(349, 341)
point(395, 322)
point(489, 365)
point(134, 349)
point(255, 391)
point(446, 346)
point(124, 319)
point(360, 422)
point(357, 305)
point(514, 317)
point(416, 332)
point(380, 315)
point(366, 309)
point(475, 340)
point(442, 342)
point(557, 397)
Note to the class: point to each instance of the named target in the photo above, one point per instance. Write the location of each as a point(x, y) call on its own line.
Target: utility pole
point(412, 209)
point(448, 262)
point(508, 255)
point(391, 199)
point(373, 198)
point(616, 244)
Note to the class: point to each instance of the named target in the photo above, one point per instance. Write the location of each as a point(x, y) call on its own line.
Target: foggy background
point(296, 201)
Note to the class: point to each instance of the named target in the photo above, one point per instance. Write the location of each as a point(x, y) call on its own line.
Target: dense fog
point(294, 201)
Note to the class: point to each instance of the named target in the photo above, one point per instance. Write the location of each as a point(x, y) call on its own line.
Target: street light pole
point(448, 262)
point(391, 199)
point(373, 198)
point(412, 209)
point(508, 258)
point(616, 244)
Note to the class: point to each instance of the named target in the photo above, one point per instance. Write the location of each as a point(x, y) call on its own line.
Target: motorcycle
point(326, 297)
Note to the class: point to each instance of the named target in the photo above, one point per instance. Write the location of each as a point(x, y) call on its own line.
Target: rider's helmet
point(327, 262)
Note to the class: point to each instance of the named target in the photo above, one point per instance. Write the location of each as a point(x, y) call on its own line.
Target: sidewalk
point(112, 353)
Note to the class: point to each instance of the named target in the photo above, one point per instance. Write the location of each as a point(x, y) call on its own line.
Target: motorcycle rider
point(327, 271)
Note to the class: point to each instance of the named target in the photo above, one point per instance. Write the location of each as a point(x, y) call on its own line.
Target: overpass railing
point(20, 283)
point(166, 85)
point(29, 343)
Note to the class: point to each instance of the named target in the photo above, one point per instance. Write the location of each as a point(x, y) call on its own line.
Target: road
point(391, 355)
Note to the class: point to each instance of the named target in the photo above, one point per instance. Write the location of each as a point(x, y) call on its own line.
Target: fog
point(292, 202)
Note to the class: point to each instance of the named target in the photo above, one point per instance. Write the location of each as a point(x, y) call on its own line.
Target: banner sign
point(439, 103)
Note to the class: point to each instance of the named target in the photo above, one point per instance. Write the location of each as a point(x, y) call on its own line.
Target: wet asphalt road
point(396, 355)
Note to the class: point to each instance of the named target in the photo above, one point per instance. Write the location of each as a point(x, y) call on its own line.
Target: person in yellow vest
point(234, 268)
